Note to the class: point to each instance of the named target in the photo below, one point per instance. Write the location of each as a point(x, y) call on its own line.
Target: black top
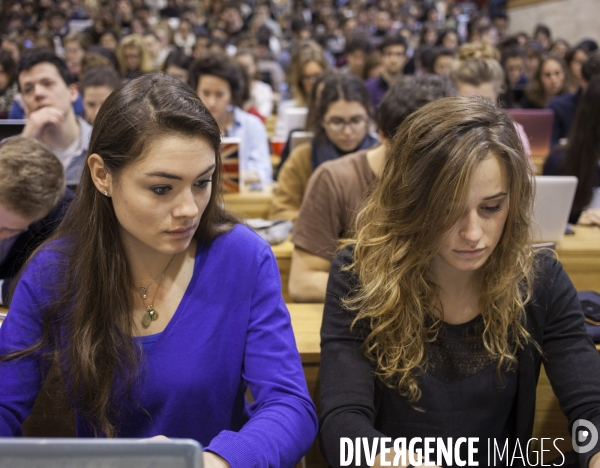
point(28, 241)
point(564, 107)
point(462, 394)
point(353, 403)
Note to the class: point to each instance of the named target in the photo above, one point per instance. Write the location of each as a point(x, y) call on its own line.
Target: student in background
point(581, 157)
point(8, 83)
point(261, 94)
point(49, 91)
point(220, 83)
point(157, 53)
point(95, 87)
point(133, 57)
point(438, 313)
point(177, 64)
point(341, 126)
point(33, 201)
point(513, 63)
point(477, 72)
point(149, 280)
point(441, 61)
point(337, 188)
point(76, 45)
point(565, 105)
point(547, 83)
point(393, 58)
point(356, 51)
point(308, 62)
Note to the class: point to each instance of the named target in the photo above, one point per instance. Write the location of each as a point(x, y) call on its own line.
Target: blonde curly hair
point(421, 195)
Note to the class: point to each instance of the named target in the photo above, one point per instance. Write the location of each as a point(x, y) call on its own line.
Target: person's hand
point(251, 178)
point(590, 217)
point(38, 120)
point(212, 460)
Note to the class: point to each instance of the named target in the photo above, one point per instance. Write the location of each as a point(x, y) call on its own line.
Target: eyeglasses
point(356, 124)
point(309, 78)
point(394, 54)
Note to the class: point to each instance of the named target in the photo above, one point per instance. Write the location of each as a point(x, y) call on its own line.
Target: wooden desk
point(306, 322)
point(249, 204)
point(283, 255)
point(580, 256)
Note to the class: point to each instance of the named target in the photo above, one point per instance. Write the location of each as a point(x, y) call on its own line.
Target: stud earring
point(106, 193)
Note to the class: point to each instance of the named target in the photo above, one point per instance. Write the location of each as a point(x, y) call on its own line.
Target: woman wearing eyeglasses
point(341, 126)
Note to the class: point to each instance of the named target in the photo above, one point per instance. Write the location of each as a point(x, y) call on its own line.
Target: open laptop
point(11, 127)
point(230, 156)
point(552, 205)
point(537, 124)
point(299, 138)
point(99, 453)
point(293, 118)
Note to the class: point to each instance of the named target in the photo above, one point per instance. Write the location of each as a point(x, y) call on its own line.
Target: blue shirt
point(254, 147)
point(231, 331)
point(377, 87)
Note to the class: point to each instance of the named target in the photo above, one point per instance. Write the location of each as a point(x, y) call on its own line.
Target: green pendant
point(149, 317)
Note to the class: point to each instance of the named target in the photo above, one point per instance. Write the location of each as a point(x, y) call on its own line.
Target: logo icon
point(587, 432)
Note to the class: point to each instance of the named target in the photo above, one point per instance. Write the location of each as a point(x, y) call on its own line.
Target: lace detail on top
point(458, 351)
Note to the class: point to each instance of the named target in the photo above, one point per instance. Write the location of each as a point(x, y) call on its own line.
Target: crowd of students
point(112, 224)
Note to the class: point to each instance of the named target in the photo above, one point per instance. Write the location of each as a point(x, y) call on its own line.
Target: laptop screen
point(11, 128)
point(99, 453)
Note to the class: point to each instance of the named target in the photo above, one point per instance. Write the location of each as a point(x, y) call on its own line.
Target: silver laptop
point(99, 453)
point(293, 118)
point(552, 205)
point(299, 138)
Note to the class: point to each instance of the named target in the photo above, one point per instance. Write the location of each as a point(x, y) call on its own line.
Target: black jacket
point(554, 320)
point(28, 241)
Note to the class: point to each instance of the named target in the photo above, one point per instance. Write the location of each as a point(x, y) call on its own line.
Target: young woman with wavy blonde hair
point(438, 312)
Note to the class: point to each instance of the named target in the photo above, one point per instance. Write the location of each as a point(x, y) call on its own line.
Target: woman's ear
point(100, 176)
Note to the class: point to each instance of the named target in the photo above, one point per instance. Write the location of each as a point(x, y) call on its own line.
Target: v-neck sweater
point(230, 331)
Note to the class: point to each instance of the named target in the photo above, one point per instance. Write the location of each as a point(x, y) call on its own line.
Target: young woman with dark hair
point(581, 157)
point(438, 312)
point(548, 81)
point(158, 309)
point(222, 85)
point(341, 126)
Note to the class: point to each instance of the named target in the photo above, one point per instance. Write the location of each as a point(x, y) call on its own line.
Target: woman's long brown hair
point(88, 325)
point(421, 195)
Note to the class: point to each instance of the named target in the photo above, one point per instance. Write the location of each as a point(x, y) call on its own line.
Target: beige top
point(293, 179)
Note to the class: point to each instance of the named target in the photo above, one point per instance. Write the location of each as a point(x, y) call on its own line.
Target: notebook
point(230, 157)
point(537, 124)
point(552, 205)
point(11, 127)
point(99, 453)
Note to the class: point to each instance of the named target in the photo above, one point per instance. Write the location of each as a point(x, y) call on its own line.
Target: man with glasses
point(33, 201)
point(393, 58)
